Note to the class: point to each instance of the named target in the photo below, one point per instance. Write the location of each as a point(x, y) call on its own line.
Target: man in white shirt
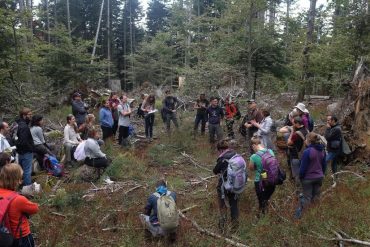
point(4, 144)
point(124, 111)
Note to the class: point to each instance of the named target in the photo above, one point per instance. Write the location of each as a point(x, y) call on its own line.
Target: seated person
point(40, 147)
point(71, 138)
point(94, 156)
point(150, 217)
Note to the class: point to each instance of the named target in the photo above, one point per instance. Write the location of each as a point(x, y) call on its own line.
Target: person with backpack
point(215, 114)
point(264, 163)
point(15, 209)
point(307, 120)
point(311, 171)
point(24, 144)
point(333, 135)
point(148, 107)
point(265, 129)
point(40, 147)
point(94, 156)
point(124, 111)
point(79, 108)
point(71, 138)
point(113, 105)
point(230, 112)
point(201, 106)
point(232, 172)
point(160, 216)
point(295, 144)
point(169, 110)
point(253, 114)
point(106, 120)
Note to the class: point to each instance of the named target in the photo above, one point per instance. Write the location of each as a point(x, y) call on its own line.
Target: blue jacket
point(313, 162)
point(151, 207)
point(105, 117)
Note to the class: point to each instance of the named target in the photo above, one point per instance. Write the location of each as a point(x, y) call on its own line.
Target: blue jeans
point(25, 160)
point(332, 156)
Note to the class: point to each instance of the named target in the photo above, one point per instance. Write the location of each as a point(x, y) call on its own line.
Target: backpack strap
point(300, 134)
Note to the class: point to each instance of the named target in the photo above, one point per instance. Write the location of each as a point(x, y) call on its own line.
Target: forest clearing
point(184, 123)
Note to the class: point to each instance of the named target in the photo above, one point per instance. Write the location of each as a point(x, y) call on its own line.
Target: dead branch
point(194, 162)
point(59, 214)
point(340, 237)
point(334, 177)
point(188, 208)
point(205, 231)
point(349, 240)
point(132, 189)
point(56, 186)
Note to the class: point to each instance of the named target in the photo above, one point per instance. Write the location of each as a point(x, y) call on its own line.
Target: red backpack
point(6, 236)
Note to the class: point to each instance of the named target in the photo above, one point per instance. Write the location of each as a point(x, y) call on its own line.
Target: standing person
point(150, 218)
point(302, 111)
point(311, 171)
point(201, 107)
point(169, 110)
point(4, 144)
point(215, 115)
point(71, 138)
point(124, 121)
point(79, 108)
point(252, 114)
point(148, 106)
point(295, 143)
point(88, 124)
point(230, 112)
point(25, 144)
point(40, 146)
point(263, 193)
point(224, 196)
point(113, 104)
point(94, 156)
point(140, 112)
point(333, 135)
point(106, 120)
point(20, 208)
point(264, 129)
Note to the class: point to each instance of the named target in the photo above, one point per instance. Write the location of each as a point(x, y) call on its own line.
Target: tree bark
point(306, 50)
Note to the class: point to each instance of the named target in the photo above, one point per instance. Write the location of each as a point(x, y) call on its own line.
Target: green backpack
point(167, 212)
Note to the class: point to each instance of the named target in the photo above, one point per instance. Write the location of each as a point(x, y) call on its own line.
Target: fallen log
point(205, 231)
point(349, 240)
point(192, 160)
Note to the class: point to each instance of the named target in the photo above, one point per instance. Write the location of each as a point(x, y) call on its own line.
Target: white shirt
point(4, 144)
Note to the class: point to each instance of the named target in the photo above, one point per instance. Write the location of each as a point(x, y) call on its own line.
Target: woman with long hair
point(20, 208)
point(84, 128)
point(311, 171)
point(40, 147)
point(148, 108)
point(71, 137)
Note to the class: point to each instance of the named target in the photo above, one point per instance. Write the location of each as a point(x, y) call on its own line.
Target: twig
point(205, 231)
point(335, 180)
point(340, 237)
point(188, 208)
point(191, 159)
point(59, 214)
point(350, 240)
point(114, 228)
point(136, 187)
point(56, 186)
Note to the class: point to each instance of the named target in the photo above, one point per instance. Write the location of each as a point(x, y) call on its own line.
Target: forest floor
point(78, 213)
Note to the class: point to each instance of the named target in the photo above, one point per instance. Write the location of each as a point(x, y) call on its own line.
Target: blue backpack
point(53, 166)
point(311, 123)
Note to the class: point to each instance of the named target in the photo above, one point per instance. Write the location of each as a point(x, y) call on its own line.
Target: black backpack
point(242, 128)
point(140, 112)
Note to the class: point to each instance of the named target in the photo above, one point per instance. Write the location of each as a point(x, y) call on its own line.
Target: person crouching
point(94, 156)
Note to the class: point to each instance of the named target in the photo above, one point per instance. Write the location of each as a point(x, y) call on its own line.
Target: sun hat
point(301, 107)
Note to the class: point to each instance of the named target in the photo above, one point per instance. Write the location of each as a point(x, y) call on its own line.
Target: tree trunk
point(306, 50)
point(108, 36)
point(48, 20)
point(249, 26)
point(97, 32)
point(68, 20)
point(287, 37)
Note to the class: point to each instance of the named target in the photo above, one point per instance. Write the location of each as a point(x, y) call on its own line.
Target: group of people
point(307, 155)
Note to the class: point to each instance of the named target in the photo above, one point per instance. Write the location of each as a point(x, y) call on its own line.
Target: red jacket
point(230, 110)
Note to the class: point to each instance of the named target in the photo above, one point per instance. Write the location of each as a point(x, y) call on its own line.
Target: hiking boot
point(172, 237)
point(221, 224)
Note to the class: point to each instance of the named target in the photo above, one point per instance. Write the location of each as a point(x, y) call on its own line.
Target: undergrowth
point(111, 219)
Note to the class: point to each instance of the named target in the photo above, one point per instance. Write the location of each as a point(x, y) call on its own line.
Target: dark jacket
point(204, 103)
point(215, 114)
point(313, 162)
point(222, 164)
point(151, 207)
point(333, 134)
point(79, 111)
point(25, 141)
point(254, 115)
point(169, 104)
point(298, 143)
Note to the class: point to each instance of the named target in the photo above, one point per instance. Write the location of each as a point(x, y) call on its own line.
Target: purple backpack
point(270, 165)
point(236, 175)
